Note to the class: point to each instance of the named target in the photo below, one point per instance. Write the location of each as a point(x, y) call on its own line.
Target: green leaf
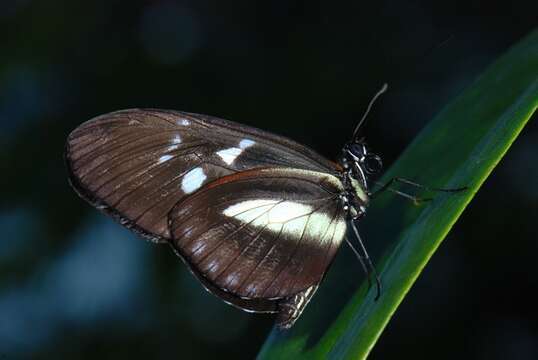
point(460, 147)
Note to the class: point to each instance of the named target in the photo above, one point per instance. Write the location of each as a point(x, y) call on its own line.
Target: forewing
point(137, 164)
point(267, 233)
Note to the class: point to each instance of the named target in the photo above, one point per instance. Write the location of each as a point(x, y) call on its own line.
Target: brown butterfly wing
point(136, 165)
point(261, 234)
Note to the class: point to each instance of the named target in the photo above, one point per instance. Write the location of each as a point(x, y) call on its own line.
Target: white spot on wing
point(240, 209)
point(176, 139)
point(288, 210)
point(245, 143)
point(295, 227)
point(193, 180)
point(289, 217)
point(341, 227)
point(318, 225)
point(164, 158)
point(229, 155)
point(183, 122)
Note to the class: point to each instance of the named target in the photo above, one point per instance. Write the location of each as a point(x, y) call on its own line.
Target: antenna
point(378, 94)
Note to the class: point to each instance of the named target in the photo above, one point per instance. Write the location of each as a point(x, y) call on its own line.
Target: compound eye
point(372, 164)
point(356, 150)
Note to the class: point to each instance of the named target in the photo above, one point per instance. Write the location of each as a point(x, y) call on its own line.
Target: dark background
point(73, 284)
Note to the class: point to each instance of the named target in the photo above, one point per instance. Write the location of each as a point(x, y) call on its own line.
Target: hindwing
point(265, 233)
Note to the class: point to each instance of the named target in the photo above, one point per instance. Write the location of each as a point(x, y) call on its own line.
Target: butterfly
point(256, 217)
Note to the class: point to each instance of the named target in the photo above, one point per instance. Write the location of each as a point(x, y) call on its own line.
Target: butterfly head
point(361, 161)
point(368, 161)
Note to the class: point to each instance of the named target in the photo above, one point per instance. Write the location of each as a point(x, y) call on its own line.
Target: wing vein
point(295, 249)
point(326, 231)
point(114, 144)
point(242, 226)
point(258, 234)
point(138, 168)
point(131, 154)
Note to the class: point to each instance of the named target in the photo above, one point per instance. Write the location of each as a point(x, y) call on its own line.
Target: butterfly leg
point(292, 307)
point(365, 261)
point(415, 199)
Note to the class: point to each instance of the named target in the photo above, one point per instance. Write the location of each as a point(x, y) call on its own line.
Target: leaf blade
point(489, 115)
